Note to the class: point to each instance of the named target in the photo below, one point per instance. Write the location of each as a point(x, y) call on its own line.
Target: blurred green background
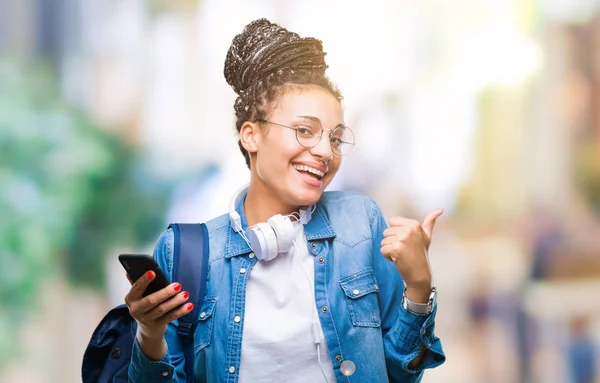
point(115, 120)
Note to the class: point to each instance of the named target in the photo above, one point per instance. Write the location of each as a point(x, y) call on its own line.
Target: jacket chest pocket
point(361, 292)
point(204, 327)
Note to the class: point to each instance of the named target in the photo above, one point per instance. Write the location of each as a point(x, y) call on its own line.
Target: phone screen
point(137, 265)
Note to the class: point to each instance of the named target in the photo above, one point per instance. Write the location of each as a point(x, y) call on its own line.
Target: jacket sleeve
point(170, 368)
point(403, 331)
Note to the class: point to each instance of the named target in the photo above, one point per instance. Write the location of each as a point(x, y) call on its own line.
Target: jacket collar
point(317, 228)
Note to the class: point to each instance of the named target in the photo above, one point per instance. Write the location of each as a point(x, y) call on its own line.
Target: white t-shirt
point(277, 342)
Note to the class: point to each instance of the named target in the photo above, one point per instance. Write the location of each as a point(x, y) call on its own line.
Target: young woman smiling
point(304, 285)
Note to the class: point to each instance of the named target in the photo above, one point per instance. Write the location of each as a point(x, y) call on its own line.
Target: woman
point(324, 299)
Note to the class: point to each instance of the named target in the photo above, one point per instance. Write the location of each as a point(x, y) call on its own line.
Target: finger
point(168, 305)
point(394, 248)
point(157, 298)
point(390, 232)
point(394, 240)
point(402, 233)
point(137, 290)
point(183, 310)
point(401, 221)
point(385, 251)
point(429, 221)
point(396, 231)
point(387, 241)
point(390, 252)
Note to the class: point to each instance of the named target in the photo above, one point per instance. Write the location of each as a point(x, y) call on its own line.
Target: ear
point(250, 136)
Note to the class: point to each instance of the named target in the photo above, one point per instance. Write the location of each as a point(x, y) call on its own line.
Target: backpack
point(108, 354)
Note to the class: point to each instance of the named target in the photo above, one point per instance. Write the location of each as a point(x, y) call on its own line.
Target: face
point(281, 167)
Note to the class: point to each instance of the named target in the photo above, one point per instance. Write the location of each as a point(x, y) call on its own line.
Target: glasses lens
point(342, 139)
point(308, 133)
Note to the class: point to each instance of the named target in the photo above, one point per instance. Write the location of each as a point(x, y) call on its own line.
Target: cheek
point(285, 150)
point(335, 166)
point(274, 159)
point(333, 169)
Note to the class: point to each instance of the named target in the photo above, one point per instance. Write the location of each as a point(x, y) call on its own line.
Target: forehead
point(309, 101)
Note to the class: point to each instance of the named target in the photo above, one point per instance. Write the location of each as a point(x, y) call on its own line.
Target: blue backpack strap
point(190, 268)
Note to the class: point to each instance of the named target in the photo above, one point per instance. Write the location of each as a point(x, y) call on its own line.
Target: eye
point(335, 141)
point(304, 131)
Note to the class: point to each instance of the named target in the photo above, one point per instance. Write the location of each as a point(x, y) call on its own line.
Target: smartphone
point(137, 265)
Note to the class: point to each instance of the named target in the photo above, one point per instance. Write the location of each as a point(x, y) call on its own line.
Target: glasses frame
point(334, 151)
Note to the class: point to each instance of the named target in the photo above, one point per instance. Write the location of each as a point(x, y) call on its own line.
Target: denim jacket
point(369, 328)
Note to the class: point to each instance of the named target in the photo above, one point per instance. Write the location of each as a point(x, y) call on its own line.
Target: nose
point(323, 148)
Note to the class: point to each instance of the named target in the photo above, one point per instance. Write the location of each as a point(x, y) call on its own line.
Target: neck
point(261, 204)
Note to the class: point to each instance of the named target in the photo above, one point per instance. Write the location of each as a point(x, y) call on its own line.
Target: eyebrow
point(319, 121)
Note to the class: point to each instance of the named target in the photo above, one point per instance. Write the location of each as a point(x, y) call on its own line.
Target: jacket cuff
point(142, 369)
point(416, 331)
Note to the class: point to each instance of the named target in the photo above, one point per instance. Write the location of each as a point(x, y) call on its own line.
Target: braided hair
point(265, 59)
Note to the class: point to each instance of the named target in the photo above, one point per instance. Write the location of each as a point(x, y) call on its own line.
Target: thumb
point(429, 221)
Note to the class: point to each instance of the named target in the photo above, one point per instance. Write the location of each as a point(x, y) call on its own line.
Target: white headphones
point(267, 239)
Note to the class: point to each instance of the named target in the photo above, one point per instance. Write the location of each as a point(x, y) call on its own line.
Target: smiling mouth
point(318, 174)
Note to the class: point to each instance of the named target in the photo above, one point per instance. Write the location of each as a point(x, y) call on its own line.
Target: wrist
point(153, 345)
point(418, 307)
point(150, 333)
point(418, 293)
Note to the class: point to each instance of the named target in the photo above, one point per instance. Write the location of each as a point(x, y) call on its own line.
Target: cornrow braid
point(263, 61)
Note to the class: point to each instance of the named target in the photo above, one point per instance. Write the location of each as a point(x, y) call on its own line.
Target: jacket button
point(338, 358)
point(231, 370)
point(313, 245)
point(251, 255)
point(321, 260)
point(347, 368)
point(115, 353)
point(324, 309)
point(165, 373)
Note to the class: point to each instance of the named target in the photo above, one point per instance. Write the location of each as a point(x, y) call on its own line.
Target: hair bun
point(264, 48)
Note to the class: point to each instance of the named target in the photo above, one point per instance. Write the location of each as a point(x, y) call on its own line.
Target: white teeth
point(310, 170)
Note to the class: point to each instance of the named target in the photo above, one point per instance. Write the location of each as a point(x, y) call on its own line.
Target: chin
point(309, 195)
point(306, 191)
point(306, 197)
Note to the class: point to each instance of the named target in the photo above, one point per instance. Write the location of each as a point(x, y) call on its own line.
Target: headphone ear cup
point(284, 230)
point(263, 241)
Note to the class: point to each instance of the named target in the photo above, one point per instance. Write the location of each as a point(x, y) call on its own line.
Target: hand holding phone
point(137, 265)
point(152, 315)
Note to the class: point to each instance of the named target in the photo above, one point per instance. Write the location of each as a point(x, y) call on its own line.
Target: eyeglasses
point(309, 133)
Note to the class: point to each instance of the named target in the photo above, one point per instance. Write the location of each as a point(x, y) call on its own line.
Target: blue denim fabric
point(370, 328)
